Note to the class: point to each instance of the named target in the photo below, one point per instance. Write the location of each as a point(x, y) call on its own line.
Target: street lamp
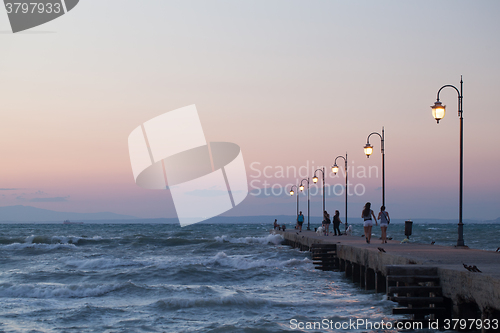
point(291, 193)
point(369, 150)
point(315, 180)
point(335, 169)
point(438, 112)
point(301, 187)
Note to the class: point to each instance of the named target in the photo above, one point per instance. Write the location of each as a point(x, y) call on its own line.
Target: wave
point(168, 241)
point(269, 239)
point(243, 300)
point(103, 263)
point(44, 290)
point(229, 300)
point(60, 239)
point(37, 246)
point(244, 263)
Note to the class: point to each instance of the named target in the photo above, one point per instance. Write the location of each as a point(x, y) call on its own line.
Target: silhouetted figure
point(336, 223)
point(300, 220)
point(367, 214)
point(326, 222)
point(384, 218)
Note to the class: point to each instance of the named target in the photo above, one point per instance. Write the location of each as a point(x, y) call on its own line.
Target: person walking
point(367, 214)
point(300, 220)
point(336, 223)
point(326, 223)
point(384, 218)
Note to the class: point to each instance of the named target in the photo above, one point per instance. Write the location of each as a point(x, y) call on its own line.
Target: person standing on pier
point(300, 220)
point(326, 222)
point(336, 223)
point(384, 218)
point(368, 222)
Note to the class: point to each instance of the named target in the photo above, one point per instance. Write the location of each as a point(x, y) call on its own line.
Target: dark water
point(163, 278)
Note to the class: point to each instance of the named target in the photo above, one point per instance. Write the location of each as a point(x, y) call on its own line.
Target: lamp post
point(335, 169)
point(438, 112)
point(301, 187)
point(315, 180)
point(291, 193)
point(369, 150)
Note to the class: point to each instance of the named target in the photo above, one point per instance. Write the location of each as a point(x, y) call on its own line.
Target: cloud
point(40, 193)
point(54, 199)
point(10, 189)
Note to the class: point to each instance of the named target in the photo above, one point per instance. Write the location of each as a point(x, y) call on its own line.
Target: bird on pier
point(381, 249)
point(472, 268)
point(475, 269)
point(467, 267)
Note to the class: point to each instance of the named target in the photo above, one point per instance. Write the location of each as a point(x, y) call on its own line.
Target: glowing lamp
point(315, 179)
point(368, 149)
point(291, 192)
point(335, 168)
point(301, 187)
point(438, 111)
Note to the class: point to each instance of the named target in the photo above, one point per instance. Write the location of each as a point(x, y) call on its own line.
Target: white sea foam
point(37, 246)
point(269, 239)
point(242, 262)
point(44, 290)
point(235, 299)
point(102, 263)
point(34, 239)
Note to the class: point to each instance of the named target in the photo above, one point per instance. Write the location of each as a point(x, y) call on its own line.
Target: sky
point(293, 83)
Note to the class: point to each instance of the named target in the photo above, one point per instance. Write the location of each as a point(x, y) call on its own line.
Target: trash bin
point(408, 227)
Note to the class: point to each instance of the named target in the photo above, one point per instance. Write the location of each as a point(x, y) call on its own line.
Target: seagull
point(475, 269)
point(381, 249)
point(469, 268)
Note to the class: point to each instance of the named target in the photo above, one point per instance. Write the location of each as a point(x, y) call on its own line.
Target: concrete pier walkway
point(469, 291)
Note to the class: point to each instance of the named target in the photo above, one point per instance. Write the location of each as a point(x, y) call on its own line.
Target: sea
point(159, 277)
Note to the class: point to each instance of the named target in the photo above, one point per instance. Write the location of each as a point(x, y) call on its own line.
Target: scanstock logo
point(205, 178)
point(25, 15)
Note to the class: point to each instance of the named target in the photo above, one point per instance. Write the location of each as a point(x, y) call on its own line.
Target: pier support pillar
point(348, 269)
point(370, 278)
point(380, 284)
point(467, 310)
point(362, 276)
point(490, 314)
point(355, 272)
point(342, 265)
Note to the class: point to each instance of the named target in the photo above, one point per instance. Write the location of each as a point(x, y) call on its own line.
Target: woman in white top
point(367, 214)
point(384, 218)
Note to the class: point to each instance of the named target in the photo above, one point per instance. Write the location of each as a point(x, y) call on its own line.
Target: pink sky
point(288, 81)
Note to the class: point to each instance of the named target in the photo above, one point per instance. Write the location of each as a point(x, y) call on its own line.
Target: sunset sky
point(293, 83)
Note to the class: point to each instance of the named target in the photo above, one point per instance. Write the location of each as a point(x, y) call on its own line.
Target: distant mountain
point(21, 213)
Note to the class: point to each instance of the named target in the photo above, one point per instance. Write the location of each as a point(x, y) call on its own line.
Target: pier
point(427, 281)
